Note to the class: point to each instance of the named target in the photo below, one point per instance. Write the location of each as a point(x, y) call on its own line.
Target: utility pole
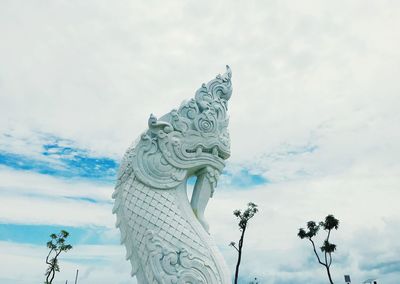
point(76, 277)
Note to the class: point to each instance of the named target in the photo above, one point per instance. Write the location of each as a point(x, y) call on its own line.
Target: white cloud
point(29, 198)
point(34, 210)
point(94, 72)
point(27, 183)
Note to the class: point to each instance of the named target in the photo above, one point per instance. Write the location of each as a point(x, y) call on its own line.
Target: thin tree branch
point(52, 276)
point(330, 256)
point(58, 253)
point(315, 251)
point(235, 247)
point(329, 234)
point(240, 253)
point(47, 258)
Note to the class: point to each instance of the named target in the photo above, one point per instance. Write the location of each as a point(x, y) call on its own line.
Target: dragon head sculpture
point(186, 139)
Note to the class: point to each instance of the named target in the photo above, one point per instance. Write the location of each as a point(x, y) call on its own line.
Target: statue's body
point(167, 238)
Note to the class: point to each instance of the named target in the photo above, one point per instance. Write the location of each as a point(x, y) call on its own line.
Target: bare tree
point(57, 245)
point(327, 248)
point(244, 218)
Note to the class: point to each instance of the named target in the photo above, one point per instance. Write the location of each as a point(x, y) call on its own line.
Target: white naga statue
point(166, 237)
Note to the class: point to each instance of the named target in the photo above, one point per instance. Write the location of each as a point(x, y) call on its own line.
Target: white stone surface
point(166, 237)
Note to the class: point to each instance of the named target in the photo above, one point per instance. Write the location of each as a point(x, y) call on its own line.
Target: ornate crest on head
point(188, 138)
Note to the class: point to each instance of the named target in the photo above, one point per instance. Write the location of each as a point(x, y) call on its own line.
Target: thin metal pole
point(76, 277)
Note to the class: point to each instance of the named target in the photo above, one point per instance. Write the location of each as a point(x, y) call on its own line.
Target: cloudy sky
point(314, 127)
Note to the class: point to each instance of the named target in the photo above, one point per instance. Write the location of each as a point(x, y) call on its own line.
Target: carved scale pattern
point(147, 210)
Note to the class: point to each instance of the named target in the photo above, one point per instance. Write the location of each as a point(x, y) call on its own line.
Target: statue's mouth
point(215, 151)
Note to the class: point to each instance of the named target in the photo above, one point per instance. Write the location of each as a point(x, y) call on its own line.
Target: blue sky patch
point(39, 234)
point(60, 159)
point(86, 199)
point(243, 179)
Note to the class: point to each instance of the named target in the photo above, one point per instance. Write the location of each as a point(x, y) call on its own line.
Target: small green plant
point(57, 245)
point(327, 248)
point(244, 218)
